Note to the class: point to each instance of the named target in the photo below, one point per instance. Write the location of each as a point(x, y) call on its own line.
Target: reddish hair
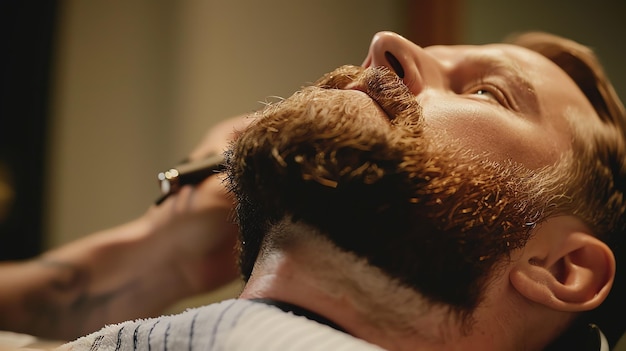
point(607, 159)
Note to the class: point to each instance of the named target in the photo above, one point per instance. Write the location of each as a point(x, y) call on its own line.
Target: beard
point(361, 170)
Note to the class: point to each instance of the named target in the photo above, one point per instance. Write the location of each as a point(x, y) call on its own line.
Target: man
point(446, 198)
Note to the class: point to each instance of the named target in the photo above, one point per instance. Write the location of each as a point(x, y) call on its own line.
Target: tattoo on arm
point(64, 304)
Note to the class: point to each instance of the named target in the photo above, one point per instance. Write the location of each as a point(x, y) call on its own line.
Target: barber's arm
point(180, 247)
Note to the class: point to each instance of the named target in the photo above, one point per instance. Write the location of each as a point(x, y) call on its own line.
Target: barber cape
point(230, 325)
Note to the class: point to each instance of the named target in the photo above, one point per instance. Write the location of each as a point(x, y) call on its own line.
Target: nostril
point(395, 64)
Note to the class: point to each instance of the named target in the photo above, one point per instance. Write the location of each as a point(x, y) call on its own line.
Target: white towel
point(226, 326)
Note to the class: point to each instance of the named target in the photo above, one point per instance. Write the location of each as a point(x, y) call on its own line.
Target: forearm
point(182, 247)
point(105, 278)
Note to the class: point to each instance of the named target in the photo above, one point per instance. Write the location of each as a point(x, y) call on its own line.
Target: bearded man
point(440, 198)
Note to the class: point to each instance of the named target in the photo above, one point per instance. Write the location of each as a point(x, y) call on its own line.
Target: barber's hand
point(195, 226)
point(197, 234)
point(184, 246)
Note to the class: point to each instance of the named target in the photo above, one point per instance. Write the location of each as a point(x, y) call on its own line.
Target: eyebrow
point(523, 91)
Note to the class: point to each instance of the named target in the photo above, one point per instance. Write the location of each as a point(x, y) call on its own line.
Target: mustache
point(382, 85)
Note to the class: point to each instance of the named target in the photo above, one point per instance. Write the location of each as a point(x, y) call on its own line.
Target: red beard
point(435, 218)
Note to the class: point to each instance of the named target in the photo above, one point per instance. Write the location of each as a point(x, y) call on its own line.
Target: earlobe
point(572, 273)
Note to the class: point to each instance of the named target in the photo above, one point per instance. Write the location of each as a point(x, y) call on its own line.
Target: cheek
point(501, 135)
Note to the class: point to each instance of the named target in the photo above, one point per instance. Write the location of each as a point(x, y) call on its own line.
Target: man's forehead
point(497, 53)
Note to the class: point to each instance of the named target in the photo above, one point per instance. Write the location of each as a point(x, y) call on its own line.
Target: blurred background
point(98, 96)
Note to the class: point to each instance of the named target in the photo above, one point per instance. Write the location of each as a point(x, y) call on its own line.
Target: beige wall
point(138, 82)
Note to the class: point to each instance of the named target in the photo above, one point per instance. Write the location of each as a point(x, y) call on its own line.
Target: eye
point(485, 93)
point(490, 93)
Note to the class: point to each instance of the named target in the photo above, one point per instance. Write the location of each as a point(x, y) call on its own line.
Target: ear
point(564, 267)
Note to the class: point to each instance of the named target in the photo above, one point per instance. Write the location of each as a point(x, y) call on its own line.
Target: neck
point(357, 297)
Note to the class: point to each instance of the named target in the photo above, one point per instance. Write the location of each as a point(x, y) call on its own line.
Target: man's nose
point(409, 61)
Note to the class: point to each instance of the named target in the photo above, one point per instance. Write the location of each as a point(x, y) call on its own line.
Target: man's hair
point(605, 152)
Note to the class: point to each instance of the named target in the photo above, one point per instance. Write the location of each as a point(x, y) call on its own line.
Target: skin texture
point(474, 95)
